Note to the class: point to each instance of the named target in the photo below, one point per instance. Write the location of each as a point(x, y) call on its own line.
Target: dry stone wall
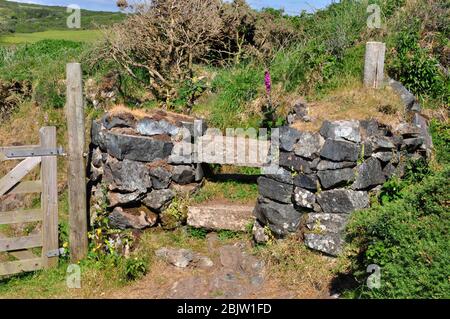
point(136, 163)
point(140, 162)
point(325, 176)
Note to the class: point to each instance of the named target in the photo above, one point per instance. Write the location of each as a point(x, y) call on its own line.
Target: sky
point(290, 6)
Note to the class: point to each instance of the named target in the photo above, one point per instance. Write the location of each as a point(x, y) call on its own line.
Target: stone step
point(221, 217)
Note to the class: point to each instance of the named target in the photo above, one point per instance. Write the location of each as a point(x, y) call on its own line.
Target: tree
point(122, 4)
point(161, 40)
point(239, 22)
point(165, 38)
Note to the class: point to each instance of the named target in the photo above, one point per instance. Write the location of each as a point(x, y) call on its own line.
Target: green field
point(26, 18)
point(72, 35)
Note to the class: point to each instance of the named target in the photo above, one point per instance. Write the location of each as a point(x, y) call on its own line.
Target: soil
point(236, 274)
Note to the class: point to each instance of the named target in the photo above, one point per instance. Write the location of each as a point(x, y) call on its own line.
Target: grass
point(233, 88)
point(232, 191)
point(298, 269)
point(97, 279)
point(70, 35)
point(353, 101)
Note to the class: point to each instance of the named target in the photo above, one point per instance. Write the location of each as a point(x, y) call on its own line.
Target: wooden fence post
point(49, 199)
point(76, 170)
point(374, 65)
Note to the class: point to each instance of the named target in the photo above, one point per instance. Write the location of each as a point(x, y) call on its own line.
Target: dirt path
point(235, 274)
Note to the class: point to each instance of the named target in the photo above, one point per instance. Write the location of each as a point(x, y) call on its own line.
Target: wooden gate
point(20, 247)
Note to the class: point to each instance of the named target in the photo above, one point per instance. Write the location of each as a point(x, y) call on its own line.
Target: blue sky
point(291, 6)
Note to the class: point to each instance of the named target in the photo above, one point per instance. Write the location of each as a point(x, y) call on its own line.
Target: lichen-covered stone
point(220, 217)
point(183, 174)
point(96, 173)
point(409, 100)
point(407, 130)
point(330, 244)
point(282, 175)
point(383, 156)
point(326, 222)
point(161, 177)
point(150, 127)
point(328, 165)
point(157, 199)
point(140, 219)
point(325, 232)
point(370, 127)
point(380, 143)
point(304, 198)
point(97, 158)
point(340, 151)
point(127, 176)
point(288, 138)
point(259, 233)
point(294, 162)
point(178, 257)
point(421, 122)
point(282, 219)
point(336, 178)
point(309, 182)
point(137, 148)
point(275, 190)
point(300, 112)
point(342, 201)
point(369, 174)
point(98, 135)
point(181, 153)
point(115, 199)
point(347, 130)
point(309, 145)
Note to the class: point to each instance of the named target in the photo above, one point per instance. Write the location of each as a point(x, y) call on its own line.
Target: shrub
point(408, 238)
point(441, 140)
point(416, 68)
point(165, 39)
point(391, 190)
point(135, 268)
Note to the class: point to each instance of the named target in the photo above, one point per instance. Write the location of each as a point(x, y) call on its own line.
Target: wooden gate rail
point(31, 156)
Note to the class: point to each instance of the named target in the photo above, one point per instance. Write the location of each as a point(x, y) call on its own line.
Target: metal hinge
point(56, 252)
point(37, 152)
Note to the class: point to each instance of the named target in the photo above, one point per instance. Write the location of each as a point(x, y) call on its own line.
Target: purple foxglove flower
point(268, 82)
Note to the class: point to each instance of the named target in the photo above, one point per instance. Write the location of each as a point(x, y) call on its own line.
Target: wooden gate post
point(374, 65)
point(49, 199)
point(76, 171)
